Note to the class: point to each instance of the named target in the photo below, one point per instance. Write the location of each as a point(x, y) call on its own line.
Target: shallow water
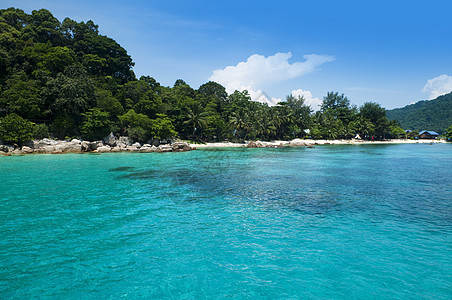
point(368, 221)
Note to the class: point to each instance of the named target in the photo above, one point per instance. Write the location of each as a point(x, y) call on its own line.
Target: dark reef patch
point(148, 174)
point(120, 169)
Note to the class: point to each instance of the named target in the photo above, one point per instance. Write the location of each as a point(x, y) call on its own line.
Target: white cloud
point(259, 71)
point(315, 103)
point(261, 96)
point(438, 86)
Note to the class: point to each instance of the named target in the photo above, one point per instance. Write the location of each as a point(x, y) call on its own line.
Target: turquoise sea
point(334, 222)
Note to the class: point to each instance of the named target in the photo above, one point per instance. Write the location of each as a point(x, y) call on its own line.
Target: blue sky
point(390, 52)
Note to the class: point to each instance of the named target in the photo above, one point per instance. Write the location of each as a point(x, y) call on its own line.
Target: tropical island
point(65, 81)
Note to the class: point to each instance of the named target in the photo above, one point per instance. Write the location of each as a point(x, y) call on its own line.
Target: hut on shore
point(426, 134)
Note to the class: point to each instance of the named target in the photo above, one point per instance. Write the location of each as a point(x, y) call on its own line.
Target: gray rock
point(136, 145)
point(7, 148)
point(297, 144)
point(181, 147)
point(103, 149)
point(85, 146)
point(147, 148)
point(164, 148)
point(68, 147)
point(30, 144)
point(76, 141)
point(95, 145)
point(251, 144)
point(125, 140)
point(44, 142)
point(121, 145)
point(48, 148)
point(26, 149)
point(39, 150)
point(110, 140)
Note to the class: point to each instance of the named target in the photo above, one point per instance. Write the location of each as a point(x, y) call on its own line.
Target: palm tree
point(239, 121)
point(363, 126)
point(196, 116)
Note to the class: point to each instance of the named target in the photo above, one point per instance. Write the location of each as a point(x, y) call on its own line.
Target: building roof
point(428, 132)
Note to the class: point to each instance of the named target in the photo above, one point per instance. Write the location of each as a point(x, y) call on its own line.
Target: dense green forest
point(425, 115)
point(64, 79)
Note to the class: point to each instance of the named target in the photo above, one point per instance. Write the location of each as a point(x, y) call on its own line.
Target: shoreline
point(47, 146)
point(310, 143)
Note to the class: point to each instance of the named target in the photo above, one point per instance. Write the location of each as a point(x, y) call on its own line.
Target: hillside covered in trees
point(64, 79)
point(425, 115)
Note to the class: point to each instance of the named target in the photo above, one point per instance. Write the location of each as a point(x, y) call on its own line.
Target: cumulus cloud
point(261, 96)
point(438, 86)
point(259, 71)
point(315, 103)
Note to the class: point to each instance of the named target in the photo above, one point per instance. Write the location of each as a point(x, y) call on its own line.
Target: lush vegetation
point(448, 134)
point(425, 115)
point(64, 79)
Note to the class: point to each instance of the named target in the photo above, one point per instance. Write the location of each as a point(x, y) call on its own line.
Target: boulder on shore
point(251, 144)
point(148, 148)
point(164, 148)
point(103, 149)
point(110, 140)
point(85, 146)
point(7, 148)
point(124, 140)
point(26, 149)
point(297, 143)
point(67, 147)
point(181, 147)
point(94, 145)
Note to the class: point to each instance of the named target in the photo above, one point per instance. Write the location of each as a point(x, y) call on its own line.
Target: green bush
point(448, 134)
point(15, 129)
point(96, 124)
point(40, 131)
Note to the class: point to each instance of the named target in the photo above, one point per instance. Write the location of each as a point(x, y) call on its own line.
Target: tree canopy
point(433, 114)
point(65, 79)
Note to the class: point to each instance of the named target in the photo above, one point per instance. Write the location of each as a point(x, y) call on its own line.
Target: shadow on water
point(200, 185)
point(120, 169)
point(147, 174)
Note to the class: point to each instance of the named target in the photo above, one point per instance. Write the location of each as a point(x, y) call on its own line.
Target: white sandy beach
point(300, 142)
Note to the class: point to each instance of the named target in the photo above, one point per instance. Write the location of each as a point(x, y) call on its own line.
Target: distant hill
point(425, 115)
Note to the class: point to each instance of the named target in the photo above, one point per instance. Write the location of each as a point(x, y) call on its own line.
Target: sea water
point(332, 222)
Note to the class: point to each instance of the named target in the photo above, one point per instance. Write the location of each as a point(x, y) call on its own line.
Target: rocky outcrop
point(77, 146)
point(297, 143)
point(94, 145)
point(7, 148)
point(73, 146)
point(252, 144)
point(110, 140)
point(164, 148)
point(148, 148)
point(103, 149)
point(27, 150)
point(125, 140)
point(259, 144)
point(85, 146)
point(181, 147)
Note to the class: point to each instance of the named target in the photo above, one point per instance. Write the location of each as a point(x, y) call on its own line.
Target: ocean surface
point(333, 222)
